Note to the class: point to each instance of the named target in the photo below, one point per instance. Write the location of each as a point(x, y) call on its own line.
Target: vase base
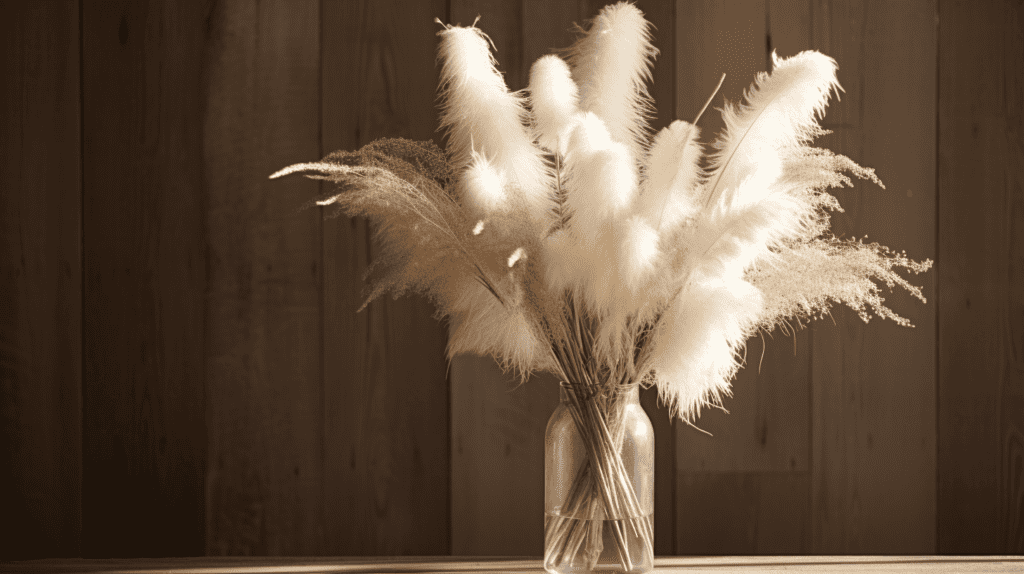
point(579, 546)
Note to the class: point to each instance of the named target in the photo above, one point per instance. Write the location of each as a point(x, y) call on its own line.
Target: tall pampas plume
point(627, 285)
point(564, 267)
point(611, 64)
point(673, 174)
point(598, 183)
point(481, 115)
point(638, 253)
point(600, 179)
point(752, 210)
point(728, 242)
point(555, 101)
point(778, 114)
point(696, 351)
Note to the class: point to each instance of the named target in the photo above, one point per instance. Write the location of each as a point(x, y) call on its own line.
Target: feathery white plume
point(603, 286)
point(673, 173)
point(726, 243)
point(638, 253)
point(555, 101)
point(624, 283)
point(600, 183)
point(695, 349)
point(778, 115)
point(482, 188)
point(600, 177)
point(482, 115)
point(752, 209)
point(611, 64)
point(482, 325)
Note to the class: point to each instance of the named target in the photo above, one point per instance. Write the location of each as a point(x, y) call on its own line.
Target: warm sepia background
point(182, 371)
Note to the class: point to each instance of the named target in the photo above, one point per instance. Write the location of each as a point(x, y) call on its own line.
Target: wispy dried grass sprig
point(805, 281)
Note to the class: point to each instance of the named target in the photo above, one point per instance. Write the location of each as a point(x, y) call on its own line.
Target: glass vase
point(599, 482)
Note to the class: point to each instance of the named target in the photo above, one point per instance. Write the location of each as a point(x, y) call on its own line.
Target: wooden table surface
point(292, 565)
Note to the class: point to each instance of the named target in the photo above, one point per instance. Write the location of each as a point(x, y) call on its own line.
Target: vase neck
point(629, 395)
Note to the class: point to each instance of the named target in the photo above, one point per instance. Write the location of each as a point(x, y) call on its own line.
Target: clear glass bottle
point(581, 533)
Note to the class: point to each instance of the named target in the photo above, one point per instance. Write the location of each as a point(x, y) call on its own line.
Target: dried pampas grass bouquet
point(556, 234)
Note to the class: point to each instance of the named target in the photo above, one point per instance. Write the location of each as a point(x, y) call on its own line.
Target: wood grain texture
point(263, 362)
point(981, 276)
point(143, 427)
point(498, 458)
point(745, 513)
point(765, 428)
point(715, 38)
point(40, 281)
point(759, 451)
point(873, 427)
point(385, 395)
point(498, 426)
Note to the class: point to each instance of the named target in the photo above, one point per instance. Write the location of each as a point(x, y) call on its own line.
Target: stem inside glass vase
point(599, 482)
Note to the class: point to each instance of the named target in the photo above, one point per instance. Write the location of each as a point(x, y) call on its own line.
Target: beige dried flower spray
point(563, 237)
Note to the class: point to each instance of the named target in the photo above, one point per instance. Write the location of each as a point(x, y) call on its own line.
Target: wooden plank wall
point(874, 384)
point(385, 393)
point(263, 358)
point(981, 277)
point(182, 371)
point(758, 456)
point(41, 281)
point(143, 243)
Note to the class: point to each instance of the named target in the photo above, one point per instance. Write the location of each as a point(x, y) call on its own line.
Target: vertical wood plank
point(745, 513)
point(873, 473)
point(715, 38)
point(1011, 431)
point(712, 39)
point(759, 449)
point(765, 428)
point(143, 428)
point(662, 15)
point(839, 29)
point(981, 273)
point(385, 396)
point(263, 362)
point(498, 426)
point(40, 282)
point(498, 459)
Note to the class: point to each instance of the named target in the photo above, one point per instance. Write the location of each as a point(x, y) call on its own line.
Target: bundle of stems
point(602, 492)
